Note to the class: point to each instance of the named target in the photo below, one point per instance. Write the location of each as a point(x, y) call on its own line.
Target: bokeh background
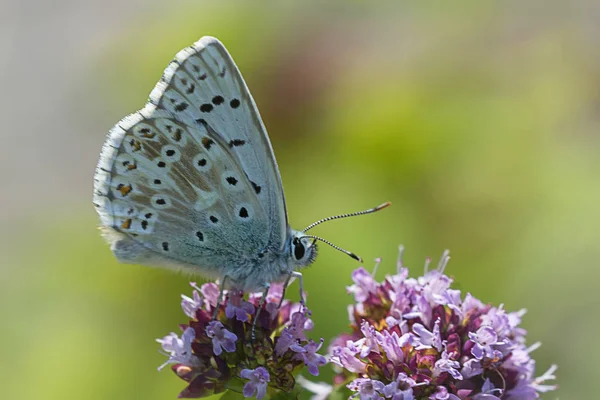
point(478, 120)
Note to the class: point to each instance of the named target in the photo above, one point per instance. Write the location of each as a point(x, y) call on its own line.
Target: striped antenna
point(369, 211)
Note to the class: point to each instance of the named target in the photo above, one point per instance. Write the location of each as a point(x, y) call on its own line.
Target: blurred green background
point(478, 120)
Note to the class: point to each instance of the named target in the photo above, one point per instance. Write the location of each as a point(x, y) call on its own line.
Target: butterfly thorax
point(269, 264)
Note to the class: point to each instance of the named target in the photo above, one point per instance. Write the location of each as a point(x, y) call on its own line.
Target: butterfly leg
point(285, 285)
point(220, 298)
point(258, 310)
point(298, 275)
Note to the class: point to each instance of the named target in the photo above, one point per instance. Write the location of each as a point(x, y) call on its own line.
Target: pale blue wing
point(191, 178)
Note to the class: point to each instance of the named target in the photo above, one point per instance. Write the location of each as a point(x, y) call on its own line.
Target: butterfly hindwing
point(169, 193)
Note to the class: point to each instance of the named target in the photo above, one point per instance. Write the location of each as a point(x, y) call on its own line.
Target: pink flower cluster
point(420, 339)
point(215, 354)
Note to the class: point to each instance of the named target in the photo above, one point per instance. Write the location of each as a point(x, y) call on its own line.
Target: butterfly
point(190, 181)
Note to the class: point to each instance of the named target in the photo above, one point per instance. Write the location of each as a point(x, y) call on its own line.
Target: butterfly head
point(303, 250)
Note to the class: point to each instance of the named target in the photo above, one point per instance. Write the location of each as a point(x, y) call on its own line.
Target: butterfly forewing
point(192, 177)
point(203, 85)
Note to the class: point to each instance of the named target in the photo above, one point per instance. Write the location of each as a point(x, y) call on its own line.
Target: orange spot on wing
point(124, 189)
point(177, 135)
point(126, 224)
point(135, 145)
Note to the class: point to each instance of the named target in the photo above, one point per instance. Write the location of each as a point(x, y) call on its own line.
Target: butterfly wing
point(191, 179)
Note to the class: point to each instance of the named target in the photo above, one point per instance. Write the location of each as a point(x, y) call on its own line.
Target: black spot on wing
point(181, 107)
point(206, 107)
point(256, 187)
point(236, 142)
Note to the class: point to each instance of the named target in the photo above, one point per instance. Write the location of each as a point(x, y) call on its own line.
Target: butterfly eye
point(299, 249)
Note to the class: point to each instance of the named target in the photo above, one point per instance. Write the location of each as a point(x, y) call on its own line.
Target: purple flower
point(400, 389)
point(392, 344)
point(237, 307)
point(259, 378)
point(527, 390)
point(180, 350)
point(364, 284)
point(487, 392)
point(286, 339)
point(471, 368)
point(209, 357)
point(367, 388)
point(470, 304)
point(435, 285)
point(272, 300)
point(450, 298)
point(428, 339)
point(221, 337)
point(299, 324)
point(445, 364)
point(273, 296)
point(498, 320)
point(368, 344)
point(421, 339)
point(485, 338)
point(422, 309)
point(309, 355)
point(191, 305)
point(441, 393)
point(210, 291)
point(410, 338)
point(345, 357)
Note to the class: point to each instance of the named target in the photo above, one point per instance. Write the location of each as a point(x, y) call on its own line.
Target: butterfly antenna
point(369, 211)
point(357, 258)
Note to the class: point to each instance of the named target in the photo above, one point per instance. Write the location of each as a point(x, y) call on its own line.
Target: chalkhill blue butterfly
point(190, 181)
